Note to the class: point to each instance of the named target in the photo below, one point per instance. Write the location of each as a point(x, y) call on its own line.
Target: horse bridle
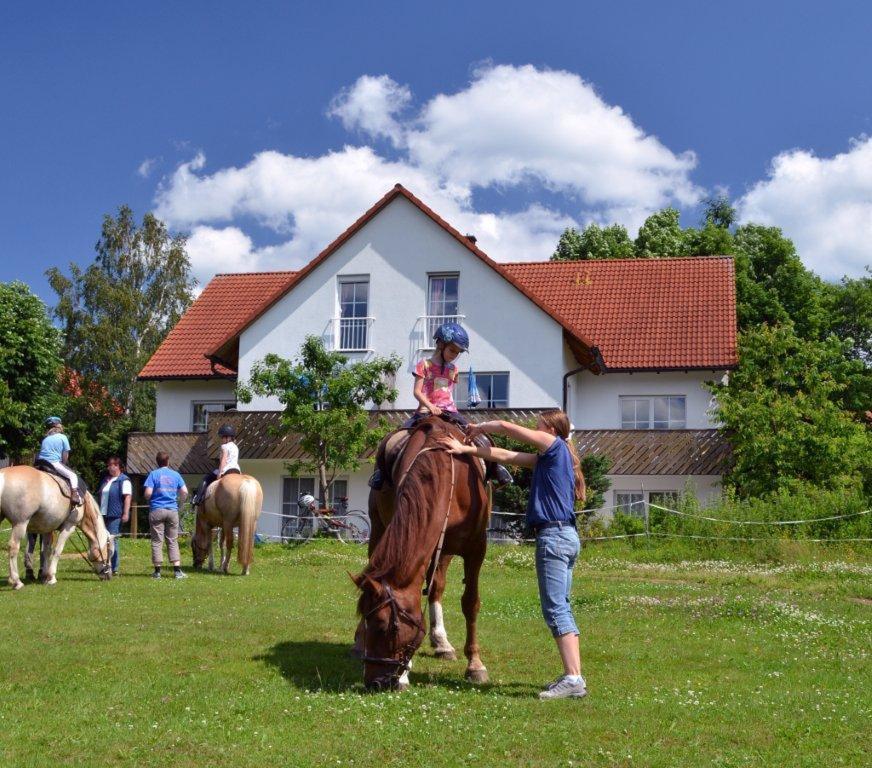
point(400, 664)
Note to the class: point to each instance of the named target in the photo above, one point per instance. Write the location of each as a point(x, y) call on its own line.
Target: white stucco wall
point(594, 401)
point(175, 401)
point(397, 250)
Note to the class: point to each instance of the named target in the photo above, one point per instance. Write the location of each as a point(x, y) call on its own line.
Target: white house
point(625, 346)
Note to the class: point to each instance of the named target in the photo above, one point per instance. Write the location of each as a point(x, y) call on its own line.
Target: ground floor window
point(292, 487)
point(630, 503)
point(668, 499)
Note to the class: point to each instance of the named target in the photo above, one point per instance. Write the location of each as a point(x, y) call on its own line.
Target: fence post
point(134, 523)
point(647, 513)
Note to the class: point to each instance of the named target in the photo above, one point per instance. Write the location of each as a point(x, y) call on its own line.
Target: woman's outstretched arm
point(490, 453)
point(542, 440)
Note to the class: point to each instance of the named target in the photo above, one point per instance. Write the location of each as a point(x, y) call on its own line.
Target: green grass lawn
point(688, 663)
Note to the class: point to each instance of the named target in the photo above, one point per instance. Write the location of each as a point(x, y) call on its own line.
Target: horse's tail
point(249, 512)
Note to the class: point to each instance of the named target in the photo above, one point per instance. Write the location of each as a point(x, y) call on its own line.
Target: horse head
point(100, 544)
point(393, 628)
point(201, 540)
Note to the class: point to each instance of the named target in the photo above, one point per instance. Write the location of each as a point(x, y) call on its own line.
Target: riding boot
point(497, 473)
point(376, 481)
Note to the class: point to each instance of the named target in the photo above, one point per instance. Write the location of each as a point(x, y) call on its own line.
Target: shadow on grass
point(316, 665)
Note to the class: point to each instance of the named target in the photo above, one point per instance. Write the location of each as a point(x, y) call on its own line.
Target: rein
point(401, 664)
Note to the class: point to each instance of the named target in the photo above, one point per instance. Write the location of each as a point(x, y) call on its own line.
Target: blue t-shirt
point(165, 484)
point(53, 447)
point(552, 490)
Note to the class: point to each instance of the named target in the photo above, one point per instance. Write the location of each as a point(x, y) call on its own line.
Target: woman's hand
point(473, 431)
point(453, 445)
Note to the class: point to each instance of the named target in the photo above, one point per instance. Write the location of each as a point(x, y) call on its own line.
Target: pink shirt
point(439, 383)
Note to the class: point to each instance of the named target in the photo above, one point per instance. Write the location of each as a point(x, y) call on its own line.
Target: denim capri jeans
point(556, 552)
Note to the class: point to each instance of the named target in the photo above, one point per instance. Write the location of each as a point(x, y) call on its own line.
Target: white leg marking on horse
point(438, 635)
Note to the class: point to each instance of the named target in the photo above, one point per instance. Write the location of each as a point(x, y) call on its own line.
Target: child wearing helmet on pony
point(228, 462)
point(55, 452)
point(435, 380)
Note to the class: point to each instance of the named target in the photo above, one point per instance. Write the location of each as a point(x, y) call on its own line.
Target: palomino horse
point(31, 500)
point(231, 501)
point(440, 510)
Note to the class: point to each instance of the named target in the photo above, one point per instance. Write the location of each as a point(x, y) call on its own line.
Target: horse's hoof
point(17, 585)
point(29, 575)
point(51, 582)
point(402, 687)
point(477, 676)
point(445, 655)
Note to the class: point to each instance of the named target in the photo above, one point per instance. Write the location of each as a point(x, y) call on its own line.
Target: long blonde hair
point(559, 422)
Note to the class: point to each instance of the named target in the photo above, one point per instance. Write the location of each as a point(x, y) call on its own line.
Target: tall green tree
point(661, 235)
point(594, 242)
point(324, 400)
point(30, 366)
point(719, 212)
point(115, 313)
point(784, 414)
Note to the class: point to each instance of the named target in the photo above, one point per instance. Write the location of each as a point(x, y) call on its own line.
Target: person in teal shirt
point(55, 450)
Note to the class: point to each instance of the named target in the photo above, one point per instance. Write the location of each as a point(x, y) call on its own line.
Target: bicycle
point(347, 525)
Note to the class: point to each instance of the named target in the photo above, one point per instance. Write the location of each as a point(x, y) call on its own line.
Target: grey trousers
point(164, 524)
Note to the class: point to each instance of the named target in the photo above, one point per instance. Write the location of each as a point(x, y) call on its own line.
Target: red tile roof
point(654, 314)
point(628, 314)
point(226, 305)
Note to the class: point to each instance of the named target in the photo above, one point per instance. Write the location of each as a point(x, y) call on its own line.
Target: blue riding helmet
point(52, 421)
point(227, 430)
point(452, 333)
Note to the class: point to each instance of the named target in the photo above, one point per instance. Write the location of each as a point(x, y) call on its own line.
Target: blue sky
point(263, 129)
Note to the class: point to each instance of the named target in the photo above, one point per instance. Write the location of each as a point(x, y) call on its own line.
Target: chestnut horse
point(31, 500)
point(440, 509)
point(231, 501)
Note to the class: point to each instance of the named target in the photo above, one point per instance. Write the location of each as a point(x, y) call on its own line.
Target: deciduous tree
point(30, 365)
point(324, 400)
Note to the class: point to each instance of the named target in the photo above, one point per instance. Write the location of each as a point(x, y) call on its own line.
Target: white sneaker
point(564, 688)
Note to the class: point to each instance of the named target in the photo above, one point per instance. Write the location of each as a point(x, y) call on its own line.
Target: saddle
point(391, 450)
point(63, 483)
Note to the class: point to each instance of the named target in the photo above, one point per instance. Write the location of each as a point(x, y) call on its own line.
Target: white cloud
point(510, 127)
point(371, 105)
point(823, 204)
point(513, 124)
point(147, 166)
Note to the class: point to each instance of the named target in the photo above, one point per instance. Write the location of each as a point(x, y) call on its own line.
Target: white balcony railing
point(426, 326)
point(352, 334)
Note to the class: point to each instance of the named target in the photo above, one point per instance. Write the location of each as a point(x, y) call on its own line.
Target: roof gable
point(581, 347)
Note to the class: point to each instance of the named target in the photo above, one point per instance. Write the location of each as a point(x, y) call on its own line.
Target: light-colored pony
point(233, 501)
point(31, 500)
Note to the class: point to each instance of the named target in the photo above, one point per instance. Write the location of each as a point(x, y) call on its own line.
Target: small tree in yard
point(324, 399)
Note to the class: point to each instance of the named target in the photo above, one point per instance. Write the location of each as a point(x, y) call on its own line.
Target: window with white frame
point(292, 487)
point(200, 412)
point(443, 304)
point(630, 503)
point(354, 319)
point(653, 412)
point(493, 389)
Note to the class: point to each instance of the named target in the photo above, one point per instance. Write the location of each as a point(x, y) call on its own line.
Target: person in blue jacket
point(115, 493)
point(556, 486)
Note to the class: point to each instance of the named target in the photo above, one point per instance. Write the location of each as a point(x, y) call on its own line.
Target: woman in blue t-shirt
point(557, 484)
